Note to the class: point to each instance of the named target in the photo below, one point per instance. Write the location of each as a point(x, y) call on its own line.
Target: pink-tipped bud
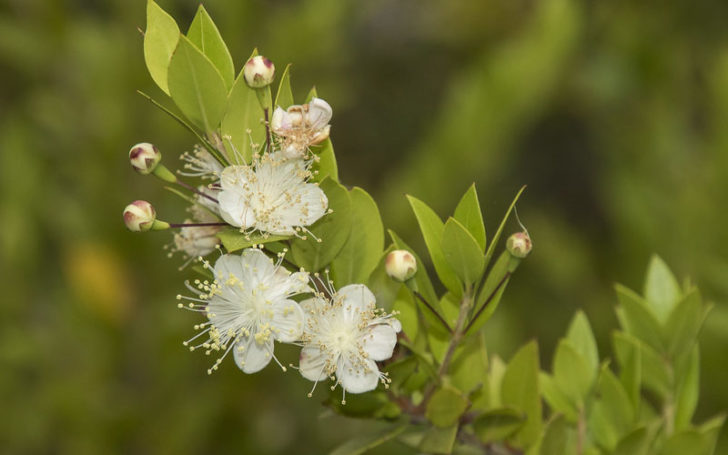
point(401, 265)
point(519, 245)
point(144, 157)
point(139, 216)
point(258, 72)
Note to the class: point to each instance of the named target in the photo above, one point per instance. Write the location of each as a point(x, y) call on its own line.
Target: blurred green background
point(614, 113)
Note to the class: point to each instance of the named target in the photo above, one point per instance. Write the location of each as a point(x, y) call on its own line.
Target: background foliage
point(613, 114)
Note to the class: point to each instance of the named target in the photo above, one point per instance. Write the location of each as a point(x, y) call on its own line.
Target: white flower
point(201, 163)
point(248, 306)
point(345, 337)
point(301, 126)
point(272, 196)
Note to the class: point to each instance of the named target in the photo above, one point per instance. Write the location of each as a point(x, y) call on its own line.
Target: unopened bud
point(401, 265)
point(519, 245)
point(144, 157)
point(258, 72)
point(140, 216)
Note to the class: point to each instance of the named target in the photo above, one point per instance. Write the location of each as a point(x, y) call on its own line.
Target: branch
point(427, 304)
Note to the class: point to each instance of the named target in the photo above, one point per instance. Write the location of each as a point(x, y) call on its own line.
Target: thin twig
point(181, 225)
point(487, 301)
point(427, 304)
point(195, 190)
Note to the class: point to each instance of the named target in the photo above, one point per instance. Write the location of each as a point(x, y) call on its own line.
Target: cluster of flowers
point(253, 299)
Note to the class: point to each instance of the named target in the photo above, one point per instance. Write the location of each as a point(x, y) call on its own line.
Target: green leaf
point(687, 442)
point(439, 440)
point(637, 318)
point(469, 214)
point(406, 309)
point(196, 86)
point(234, 240)
point(284, 96)
point(160, 41)
point(495, 285)
point(311, 95)
point(363, 444)
point(494, 241)
point(630, 375)
point(432, 229)
point(687, 391)
point(204, 34)
point(684, 323)
point(572, 374)
point(371, 405)
point(469, 368)
point(635, 443)
point(520, 390)
point(498, 424)
point(582, 339)
point(653, 369)
point(462, 252)
point(326, 165)
point(360, 254)
point(662, 290)
point(559, 438)
point(617, 405)
point(243, 120)
point(711, 431)
point(446, 406)
point(333, 229)
point(556, 399)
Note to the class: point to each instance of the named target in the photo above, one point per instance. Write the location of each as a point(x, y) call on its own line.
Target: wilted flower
point(344, 337)
point(272, 196)
point(248, 307)
point(400, 265)
point(301, 126)
point(144, 157)
point(258, 72)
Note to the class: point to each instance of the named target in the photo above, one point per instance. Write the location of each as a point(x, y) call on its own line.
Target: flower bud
point(144, 157)
point(519, 245)
point(139, 216)
point(258, 72)
point(401, 265)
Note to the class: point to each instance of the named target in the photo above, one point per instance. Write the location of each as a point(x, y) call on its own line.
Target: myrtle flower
point(301, 126)
point(344, 337)
point(201, 163)
point(271, 196)
point(248, 306)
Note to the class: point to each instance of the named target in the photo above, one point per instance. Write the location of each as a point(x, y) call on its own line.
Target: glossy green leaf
point(469, 368)
point(406, 310)
point(311, 95)
point(630, 375)
point(635, 443)
point(362, 250)
point(498, 424)
point(372, 405)
point(684, 323)
point(468, 213)
point(493, 289)
point(284, 95)
point(160, 41)
point(243, 120)
point(432, 229)
point(462, 252)
point(618, 406)
point(326, 165)
point(662, 290)
point(520, 390)
point(685, 442)
point(556, 399)
point(234, 240)
point(204, 34)
point(332, 229)
point(439, 440)
point(494, 241)
point(688, 390)
point(446, 406)
point(363, 444)
point(582, 339)
point(711, 430)
point(653, 369)
point(559, 438)
point(196, 86)
point(637, 318)
point(572, 374)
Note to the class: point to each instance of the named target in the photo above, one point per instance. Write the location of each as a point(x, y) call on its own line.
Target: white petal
point(254, 357)
point(259, 268)
point(313, 305)
point(379, 341)
point(229, 264)
point(357, 300)
point(319, 113)
point(287, 321)
point(359, 378)
point(235, 210)
point(311, 364)
point(277, 120)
